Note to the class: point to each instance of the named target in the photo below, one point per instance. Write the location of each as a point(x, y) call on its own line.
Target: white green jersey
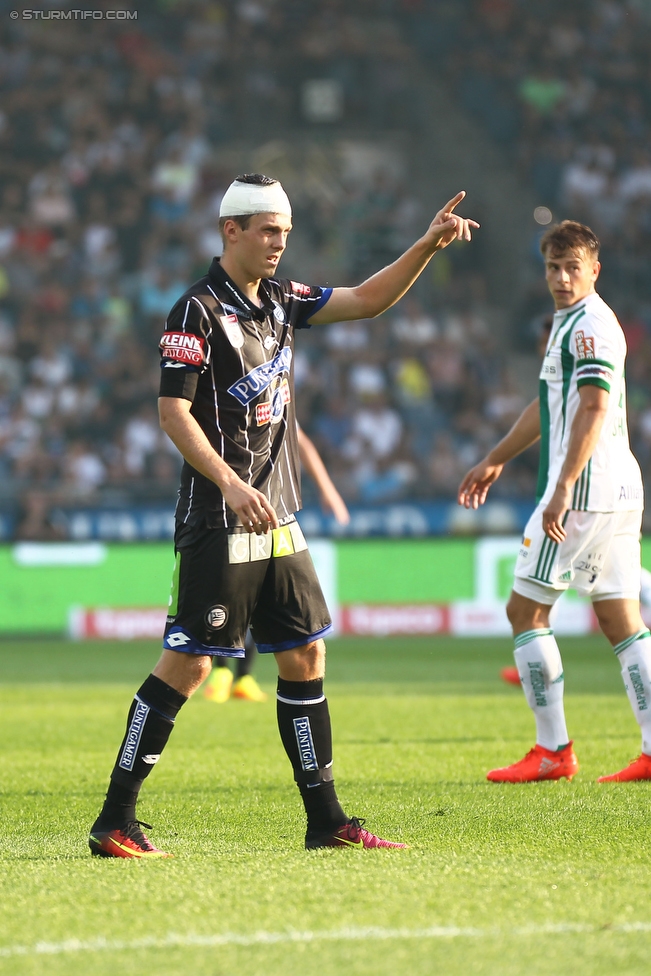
point(587, 347)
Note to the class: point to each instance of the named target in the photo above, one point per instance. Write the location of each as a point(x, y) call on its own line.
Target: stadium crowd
point(117, 141)
point(568, 96)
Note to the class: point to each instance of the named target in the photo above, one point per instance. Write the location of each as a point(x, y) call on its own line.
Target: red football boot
point(127, 841)
point(538, 764)
point(352, 834)
point(510, 675)
point(636, 771)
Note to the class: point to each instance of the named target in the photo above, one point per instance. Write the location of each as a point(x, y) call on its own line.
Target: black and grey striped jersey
point(235, 363)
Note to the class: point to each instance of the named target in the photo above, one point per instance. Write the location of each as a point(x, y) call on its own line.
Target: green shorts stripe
point(542, 558)
point(545, 561)
point(549, 560)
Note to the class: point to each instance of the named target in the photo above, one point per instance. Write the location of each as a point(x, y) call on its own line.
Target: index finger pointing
point(455, 201)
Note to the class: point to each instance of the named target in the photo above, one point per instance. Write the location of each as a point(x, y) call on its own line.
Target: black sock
point(149, 724)
point(304, 724)
point(244, 665)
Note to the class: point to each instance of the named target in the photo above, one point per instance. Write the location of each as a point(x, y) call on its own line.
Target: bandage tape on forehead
point(248, 198)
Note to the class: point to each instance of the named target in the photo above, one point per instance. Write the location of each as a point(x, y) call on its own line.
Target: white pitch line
point(334, 935)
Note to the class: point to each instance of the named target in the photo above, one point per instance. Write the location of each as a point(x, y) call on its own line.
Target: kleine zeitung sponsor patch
point(183, 347)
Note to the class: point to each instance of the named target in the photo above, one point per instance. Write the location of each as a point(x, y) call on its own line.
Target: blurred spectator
point(332, 426)
point(376, 428)
point(542, 91)
point(159, 292)
point(413, 326)
point(35, 521)
point(84, 471)
point(445, 467)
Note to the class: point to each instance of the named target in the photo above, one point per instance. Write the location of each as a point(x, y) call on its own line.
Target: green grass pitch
point(539, 878)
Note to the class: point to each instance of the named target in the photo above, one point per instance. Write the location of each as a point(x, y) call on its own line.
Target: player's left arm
point(313, 464)
point(584, 435)
point(384, 289)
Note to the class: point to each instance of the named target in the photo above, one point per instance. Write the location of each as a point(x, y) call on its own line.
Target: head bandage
point(248, 198)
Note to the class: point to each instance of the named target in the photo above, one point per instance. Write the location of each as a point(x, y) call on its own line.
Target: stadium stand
point(116, 143)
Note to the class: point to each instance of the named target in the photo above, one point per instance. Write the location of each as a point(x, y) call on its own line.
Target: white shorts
point(600, 557)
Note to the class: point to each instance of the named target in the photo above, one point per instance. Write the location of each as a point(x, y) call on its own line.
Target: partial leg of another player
point(622, 624)
point(245, 687)
point(540, 668)
point(220, 686)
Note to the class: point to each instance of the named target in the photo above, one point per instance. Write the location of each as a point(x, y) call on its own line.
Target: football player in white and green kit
point(585, 530)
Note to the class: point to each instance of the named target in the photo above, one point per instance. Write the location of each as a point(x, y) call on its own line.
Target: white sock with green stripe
point(634, 656)
point(539, 665)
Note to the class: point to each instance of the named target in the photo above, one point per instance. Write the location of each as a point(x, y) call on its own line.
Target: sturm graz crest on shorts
point(216, 617)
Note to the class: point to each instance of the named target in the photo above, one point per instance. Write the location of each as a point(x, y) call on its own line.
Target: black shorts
point(226, 580)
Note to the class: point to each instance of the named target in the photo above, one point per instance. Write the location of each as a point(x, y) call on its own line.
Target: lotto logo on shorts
point(249, 548)
point(183, 348)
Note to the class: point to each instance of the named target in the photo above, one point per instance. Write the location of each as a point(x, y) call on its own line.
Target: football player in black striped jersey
point(227, 402)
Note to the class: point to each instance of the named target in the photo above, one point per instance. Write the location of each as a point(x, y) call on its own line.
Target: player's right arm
point(525, 432)
point(185, 352)
point(250, 505)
